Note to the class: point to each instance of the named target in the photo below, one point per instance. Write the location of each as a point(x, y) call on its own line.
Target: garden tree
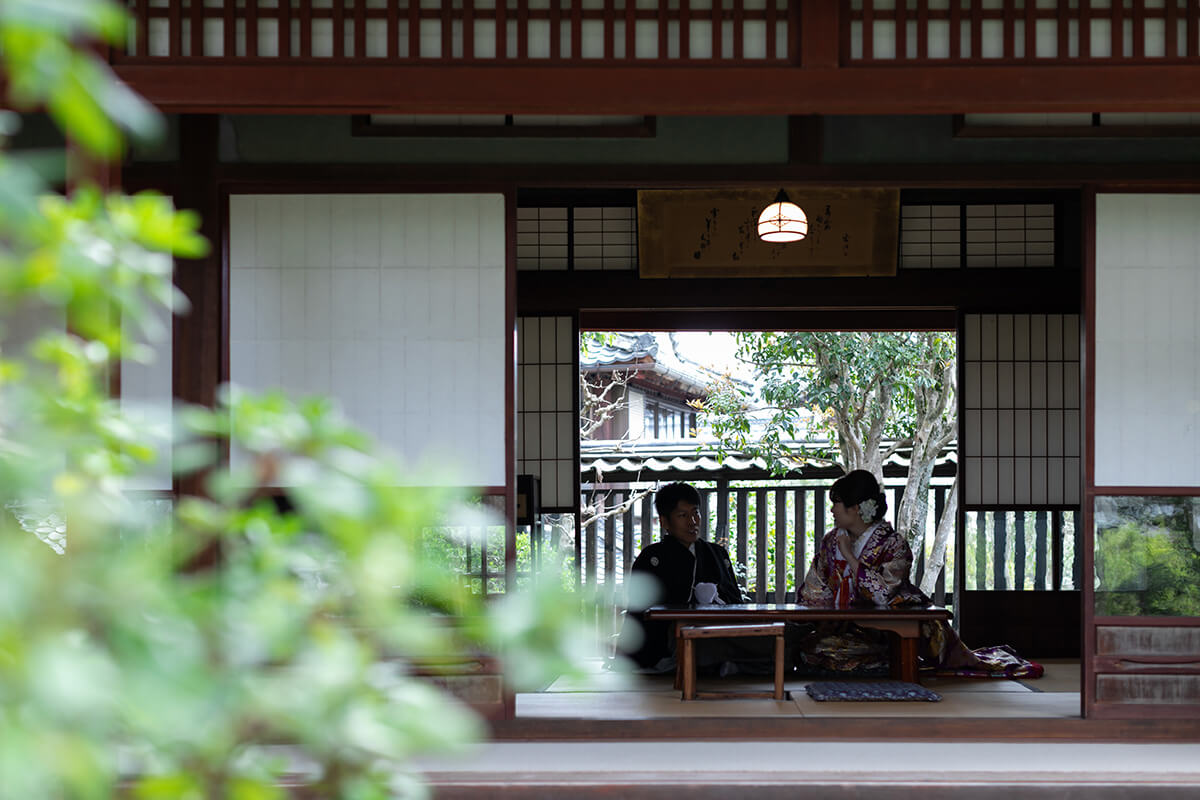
point(123, 672)
point(871, 394)
point(600, 399)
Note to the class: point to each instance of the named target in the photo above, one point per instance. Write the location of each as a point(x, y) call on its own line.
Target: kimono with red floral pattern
point(881, 580)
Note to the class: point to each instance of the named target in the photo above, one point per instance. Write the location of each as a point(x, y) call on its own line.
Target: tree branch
point(619, 508)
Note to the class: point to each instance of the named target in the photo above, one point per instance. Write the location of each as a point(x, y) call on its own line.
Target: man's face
point(683, 523)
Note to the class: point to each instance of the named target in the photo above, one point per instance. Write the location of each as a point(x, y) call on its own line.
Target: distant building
point(660, 384)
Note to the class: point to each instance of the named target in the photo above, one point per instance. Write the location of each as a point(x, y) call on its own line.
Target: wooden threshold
point(860, 729)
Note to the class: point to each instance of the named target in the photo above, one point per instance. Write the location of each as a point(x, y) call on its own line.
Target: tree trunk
point(941, 539)
point(914, 506)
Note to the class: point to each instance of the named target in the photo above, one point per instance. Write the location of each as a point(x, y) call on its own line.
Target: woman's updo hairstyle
point(857, 486)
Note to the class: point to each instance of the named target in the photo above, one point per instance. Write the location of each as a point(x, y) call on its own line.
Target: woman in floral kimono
point(864, 561)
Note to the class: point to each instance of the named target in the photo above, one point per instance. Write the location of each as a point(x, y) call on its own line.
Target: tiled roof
point(623, 460)
point(648, 352)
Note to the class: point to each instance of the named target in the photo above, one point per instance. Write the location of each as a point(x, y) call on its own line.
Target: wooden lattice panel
point(1021, 393)
point(547, 427)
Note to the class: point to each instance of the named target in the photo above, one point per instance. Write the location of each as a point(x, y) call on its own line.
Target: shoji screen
point(393, 305)
point(1147, 340)
point(1021, 398)
point(547, 426)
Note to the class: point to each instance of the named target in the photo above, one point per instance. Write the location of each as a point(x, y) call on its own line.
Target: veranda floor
point(602, 695)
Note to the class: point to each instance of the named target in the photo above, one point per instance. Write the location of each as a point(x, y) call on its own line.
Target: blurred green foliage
point(1147, 556)
point(205, 647)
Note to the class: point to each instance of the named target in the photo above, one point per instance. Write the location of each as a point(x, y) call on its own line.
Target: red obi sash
point(841, 583)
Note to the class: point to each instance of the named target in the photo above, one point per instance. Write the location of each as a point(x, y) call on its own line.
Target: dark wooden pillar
point(200, 356)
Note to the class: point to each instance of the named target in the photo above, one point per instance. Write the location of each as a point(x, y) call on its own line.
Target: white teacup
point(705, 593)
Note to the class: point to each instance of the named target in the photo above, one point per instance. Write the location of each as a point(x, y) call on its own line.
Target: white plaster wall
point(1147, 340)
point(391, 304)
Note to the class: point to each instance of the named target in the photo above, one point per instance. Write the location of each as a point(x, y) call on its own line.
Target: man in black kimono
point(678, 563)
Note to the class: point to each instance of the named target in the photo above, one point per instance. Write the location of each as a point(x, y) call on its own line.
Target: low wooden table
point(905, 622)
point(685, 652)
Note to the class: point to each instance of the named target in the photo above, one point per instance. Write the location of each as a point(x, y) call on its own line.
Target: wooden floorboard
point(604, 706)
point(759, 789)
point(893, 767)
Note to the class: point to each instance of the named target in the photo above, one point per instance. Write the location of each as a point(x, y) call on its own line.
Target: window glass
point(1147, 556)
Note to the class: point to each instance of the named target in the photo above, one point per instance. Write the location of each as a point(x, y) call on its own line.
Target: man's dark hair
point(669, 496)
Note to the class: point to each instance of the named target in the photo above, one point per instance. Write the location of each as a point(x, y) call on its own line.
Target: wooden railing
point(771, 532)
point(929, 33)
point(457, 31)
point(1026, 549)
point(695, 32)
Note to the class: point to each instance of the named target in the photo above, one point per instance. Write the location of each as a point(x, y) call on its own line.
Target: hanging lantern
point(782, 221)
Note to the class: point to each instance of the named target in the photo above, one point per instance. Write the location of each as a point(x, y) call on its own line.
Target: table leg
point(687, 663)
point(678, 658)
point(908, 658)
point(779, 667)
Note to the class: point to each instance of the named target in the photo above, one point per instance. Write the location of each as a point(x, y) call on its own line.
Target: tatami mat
point(644, 705)
point(604, 695)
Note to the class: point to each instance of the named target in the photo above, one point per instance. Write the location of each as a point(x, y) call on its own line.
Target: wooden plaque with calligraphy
point(714, 233)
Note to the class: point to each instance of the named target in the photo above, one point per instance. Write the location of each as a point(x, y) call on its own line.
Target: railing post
point(1039, 564)
point(801, 534)
point(742, 522)
point(610, 544)
point(483, 561)
point(1076, 554)
point(535, 551)
point(1056, 558)
point(980, 550)
point(197, 33)
point(647, 522)
point(1000, 537)
point(760, 545)
point(589, 542)
point(820, 33)
point(627, 545)
point(1019, 552)
point(780, 545)
point(723, 512)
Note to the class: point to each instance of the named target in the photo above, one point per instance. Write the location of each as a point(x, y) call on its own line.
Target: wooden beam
point(1139, 176)
point(682, 90)
point(800, 300)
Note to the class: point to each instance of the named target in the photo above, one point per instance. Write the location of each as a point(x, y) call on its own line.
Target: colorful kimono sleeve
point(883, 569)
point(816, 591)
